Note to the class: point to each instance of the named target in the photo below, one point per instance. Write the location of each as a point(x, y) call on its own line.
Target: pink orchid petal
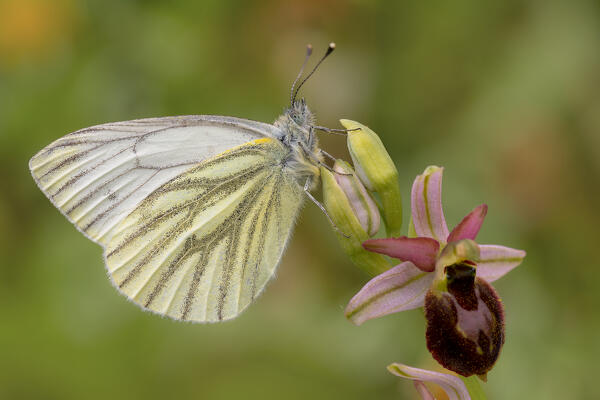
point(421, 251)
point(452, 385)
point(496, 261)
point(427, 212)
point(423, 391)
point(398, 289)
point(469, 227)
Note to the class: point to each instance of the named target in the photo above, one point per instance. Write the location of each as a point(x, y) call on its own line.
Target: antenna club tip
point(330, 49)
point(309, 49)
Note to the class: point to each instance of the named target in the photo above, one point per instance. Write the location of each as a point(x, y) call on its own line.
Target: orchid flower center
point(465, 321)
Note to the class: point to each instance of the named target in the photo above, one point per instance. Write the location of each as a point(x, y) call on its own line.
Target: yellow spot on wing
point(250, 143)
point(261, 140)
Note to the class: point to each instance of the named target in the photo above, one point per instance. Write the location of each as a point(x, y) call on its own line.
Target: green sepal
point(377, 171)
point(361, 201)
point(339, 209)
point(474, 387)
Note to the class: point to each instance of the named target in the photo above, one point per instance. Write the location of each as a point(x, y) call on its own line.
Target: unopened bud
point(350, 231)
point(360, 199)
point(377, 171)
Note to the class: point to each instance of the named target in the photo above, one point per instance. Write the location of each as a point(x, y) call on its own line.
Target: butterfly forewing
point(98, 175)
point(202, 246)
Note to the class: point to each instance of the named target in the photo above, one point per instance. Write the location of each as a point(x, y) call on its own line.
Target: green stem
point(474, 387)
point(391, 204)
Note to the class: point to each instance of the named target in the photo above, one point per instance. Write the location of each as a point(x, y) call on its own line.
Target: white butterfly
point(193, 212)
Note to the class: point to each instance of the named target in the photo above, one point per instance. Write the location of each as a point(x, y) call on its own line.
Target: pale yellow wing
point(203, 246)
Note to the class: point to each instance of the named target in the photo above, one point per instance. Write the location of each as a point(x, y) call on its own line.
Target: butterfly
point(193, 212)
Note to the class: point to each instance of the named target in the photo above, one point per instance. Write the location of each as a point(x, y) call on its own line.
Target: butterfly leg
point(318, 203)
point(319, 162)
point(334, 131)
point(326, 154)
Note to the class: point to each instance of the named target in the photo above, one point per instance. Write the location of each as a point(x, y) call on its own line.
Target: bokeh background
point(505, 95)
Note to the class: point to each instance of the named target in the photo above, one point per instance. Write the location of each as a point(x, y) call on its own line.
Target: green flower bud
point(351, 233)
point(360, 199)
point(377, 171)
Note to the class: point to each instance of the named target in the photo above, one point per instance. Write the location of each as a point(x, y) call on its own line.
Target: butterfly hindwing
point(203, 245)
point(98, 175)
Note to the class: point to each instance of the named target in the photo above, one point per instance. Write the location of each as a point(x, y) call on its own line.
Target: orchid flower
point(452, 386)
point(448, 273)
point(403, 287)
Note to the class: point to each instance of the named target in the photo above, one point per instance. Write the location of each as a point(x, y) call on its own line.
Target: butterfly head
point(300, 114)
point(296, 125)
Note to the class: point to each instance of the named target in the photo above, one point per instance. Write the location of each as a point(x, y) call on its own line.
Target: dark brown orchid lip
point(465, 325)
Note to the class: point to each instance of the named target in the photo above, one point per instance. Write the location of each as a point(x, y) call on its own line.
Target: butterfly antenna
point(308, 53)
point(327, 53)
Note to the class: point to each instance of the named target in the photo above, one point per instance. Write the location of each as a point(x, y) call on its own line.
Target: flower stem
point(392, 208)
point(474, 387)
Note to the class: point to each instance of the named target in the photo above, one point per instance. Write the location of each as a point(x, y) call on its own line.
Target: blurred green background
point(505, 95)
